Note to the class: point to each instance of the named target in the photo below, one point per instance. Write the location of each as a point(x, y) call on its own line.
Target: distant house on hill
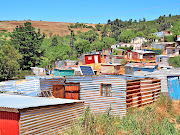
point(107, 51)
point(140, 40)
point(136, 46)
point(161, 34)
point(141, 56)
point(162, 45)
point(90, 58)
point(173, 51)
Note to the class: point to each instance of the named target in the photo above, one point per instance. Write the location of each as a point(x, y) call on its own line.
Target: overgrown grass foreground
point(159, 118)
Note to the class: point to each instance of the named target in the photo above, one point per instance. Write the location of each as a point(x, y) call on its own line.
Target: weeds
point(151, 119)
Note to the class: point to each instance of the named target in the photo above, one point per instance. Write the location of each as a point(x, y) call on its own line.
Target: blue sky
point(86, 11)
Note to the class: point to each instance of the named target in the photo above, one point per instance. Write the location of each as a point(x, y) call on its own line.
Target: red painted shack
point(141, 56)
point(37, 115)
point(90, 58)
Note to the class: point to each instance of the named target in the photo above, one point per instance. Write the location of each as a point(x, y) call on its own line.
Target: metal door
point(58, 91)
point(173, 88)
point(96, 58)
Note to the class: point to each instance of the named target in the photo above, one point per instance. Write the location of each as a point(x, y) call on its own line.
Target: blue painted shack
point(130, 68)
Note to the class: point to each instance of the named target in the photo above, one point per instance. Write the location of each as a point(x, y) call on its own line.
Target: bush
point(175, 62)
point(152, 119)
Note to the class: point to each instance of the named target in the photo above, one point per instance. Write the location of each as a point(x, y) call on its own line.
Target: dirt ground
point(60, 28)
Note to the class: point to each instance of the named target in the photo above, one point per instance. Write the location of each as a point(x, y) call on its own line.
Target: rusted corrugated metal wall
point(9, 123)
point(47, 84)
point(49, 119)
point(90, 92)
point(143, 91)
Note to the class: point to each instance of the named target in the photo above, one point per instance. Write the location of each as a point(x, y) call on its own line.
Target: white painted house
point(140, 40)
point(136, 46)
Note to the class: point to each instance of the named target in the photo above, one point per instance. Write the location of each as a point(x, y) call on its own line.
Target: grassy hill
point(56, 28)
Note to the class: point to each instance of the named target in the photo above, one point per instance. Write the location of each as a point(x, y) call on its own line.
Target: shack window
point(89, 57)
point(106, 90)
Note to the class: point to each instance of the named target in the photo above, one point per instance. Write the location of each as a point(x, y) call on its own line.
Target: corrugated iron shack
point(130, 68)
point(141, 56)
point(37, 115)
point(170, 80)
point(162, 60)
point(70, 62)
point(118, 92)
point(113, 58)
point(90, 58)
point(110, 69)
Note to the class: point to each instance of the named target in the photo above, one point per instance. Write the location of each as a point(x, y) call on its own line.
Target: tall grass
point(156, 119)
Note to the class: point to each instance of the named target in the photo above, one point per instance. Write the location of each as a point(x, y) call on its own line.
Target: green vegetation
point(9, 58)
point(126, 48)
point(27, 42)
point(158, 118)
point(38, 50)
point(175, 62)
point(80, 25)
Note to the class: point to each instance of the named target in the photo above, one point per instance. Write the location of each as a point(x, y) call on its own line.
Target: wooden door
point(58, 91)
point(72, 91)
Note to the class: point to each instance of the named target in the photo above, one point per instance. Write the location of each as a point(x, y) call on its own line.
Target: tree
point(97, 45)
point(144, 19)
point(140, 34)
point(108, 42)
point(104, 32)
point(176, 28)
point(54, 41)
point(28, 42)
point(98, 27)
point(82, 46)
point(126, 36)
point(9, 59)
point(71, 43)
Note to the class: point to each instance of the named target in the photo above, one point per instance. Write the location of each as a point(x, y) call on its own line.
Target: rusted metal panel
point(9, 123)
point(49, 119)
point(58, 91)
point(72, 90)
point(141, 92)
point(47, 84)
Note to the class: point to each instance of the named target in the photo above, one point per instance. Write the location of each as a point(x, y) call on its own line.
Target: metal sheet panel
point(49, 119)
point(174, 88)
point(21, 102)
point(28, 87)
point(9, 123)
point(90, 92)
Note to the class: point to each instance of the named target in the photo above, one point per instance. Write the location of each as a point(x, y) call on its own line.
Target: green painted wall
point(58, 72)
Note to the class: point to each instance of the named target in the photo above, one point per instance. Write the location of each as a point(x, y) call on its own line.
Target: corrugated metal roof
point(22, 102)
point(143, 52)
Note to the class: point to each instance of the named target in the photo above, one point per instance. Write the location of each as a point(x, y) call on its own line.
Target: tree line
point(28, 47)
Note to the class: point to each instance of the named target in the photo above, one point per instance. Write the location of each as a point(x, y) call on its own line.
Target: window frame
point(106, 90)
